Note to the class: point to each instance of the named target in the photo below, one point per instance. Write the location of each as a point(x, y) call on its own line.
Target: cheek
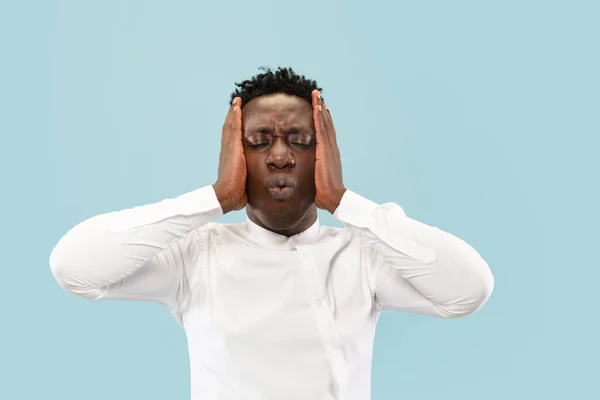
point(307, 164)
point(253, 166)
point(308, 160)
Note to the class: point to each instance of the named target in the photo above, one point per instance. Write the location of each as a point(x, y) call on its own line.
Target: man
point(278, 307)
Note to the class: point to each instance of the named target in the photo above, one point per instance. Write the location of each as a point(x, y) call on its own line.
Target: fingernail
point(320, 108)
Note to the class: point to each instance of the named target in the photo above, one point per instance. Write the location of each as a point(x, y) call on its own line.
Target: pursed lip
point(281, 181)
point(281, 186)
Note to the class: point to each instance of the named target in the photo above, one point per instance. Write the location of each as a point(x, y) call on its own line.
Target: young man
point(277, 307)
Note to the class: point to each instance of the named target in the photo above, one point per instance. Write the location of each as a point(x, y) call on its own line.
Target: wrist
point(336, 200)
point(224, 198)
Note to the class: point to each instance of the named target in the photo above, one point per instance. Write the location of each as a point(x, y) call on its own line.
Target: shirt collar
point(266, 238)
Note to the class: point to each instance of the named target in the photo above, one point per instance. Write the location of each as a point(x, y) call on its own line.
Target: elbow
point(476, 292)
point(65, 268)
point(59, 266)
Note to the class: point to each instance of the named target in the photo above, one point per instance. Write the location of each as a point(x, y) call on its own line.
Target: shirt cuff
point(355, 210)
point(201, 202)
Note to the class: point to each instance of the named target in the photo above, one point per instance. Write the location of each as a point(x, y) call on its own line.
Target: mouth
point(281, 187)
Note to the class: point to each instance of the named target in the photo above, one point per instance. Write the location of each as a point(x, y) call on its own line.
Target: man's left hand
point(328, 165)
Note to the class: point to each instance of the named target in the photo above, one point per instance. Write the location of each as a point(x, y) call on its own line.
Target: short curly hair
point(284, 80)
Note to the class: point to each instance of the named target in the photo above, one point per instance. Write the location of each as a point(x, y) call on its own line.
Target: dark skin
point(280, 139)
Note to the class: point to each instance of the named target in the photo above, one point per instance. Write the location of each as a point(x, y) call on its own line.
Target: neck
point(281, 228)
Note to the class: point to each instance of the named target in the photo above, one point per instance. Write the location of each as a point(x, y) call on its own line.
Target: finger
point(316, 98)
point(236, 131)
point(320, 132)
point(227, 124)
point(329, 127)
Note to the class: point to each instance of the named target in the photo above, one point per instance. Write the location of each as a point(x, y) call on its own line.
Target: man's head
point(279, 144)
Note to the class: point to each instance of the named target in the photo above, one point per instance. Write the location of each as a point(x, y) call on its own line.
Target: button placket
point(326, 322)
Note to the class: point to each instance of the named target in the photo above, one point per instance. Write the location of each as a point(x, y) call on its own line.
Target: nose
point(280, 155)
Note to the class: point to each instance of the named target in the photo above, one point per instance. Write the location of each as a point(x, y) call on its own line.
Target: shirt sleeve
point(415, 267)
point(137, 253)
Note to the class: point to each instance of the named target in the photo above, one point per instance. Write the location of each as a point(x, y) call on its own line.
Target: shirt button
point(334, 352)
point(319, 302)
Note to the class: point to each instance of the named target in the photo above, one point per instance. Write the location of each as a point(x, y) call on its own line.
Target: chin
point(281, 220)
point(282, 215)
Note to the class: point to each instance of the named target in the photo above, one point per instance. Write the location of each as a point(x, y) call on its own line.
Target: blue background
point(481, 118)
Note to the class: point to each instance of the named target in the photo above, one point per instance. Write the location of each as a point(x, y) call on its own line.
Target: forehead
point(277, 109)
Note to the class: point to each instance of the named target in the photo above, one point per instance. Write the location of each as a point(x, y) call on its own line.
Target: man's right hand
point(230, 187)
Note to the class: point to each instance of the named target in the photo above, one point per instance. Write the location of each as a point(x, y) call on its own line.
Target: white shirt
point(267, 316)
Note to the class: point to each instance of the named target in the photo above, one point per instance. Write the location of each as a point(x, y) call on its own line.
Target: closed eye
point(301, 144)
point(299, 140)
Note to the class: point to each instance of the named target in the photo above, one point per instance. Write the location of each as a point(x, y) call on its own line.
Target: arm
point(137, 253)
point(415, 267)
point(412, 266)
